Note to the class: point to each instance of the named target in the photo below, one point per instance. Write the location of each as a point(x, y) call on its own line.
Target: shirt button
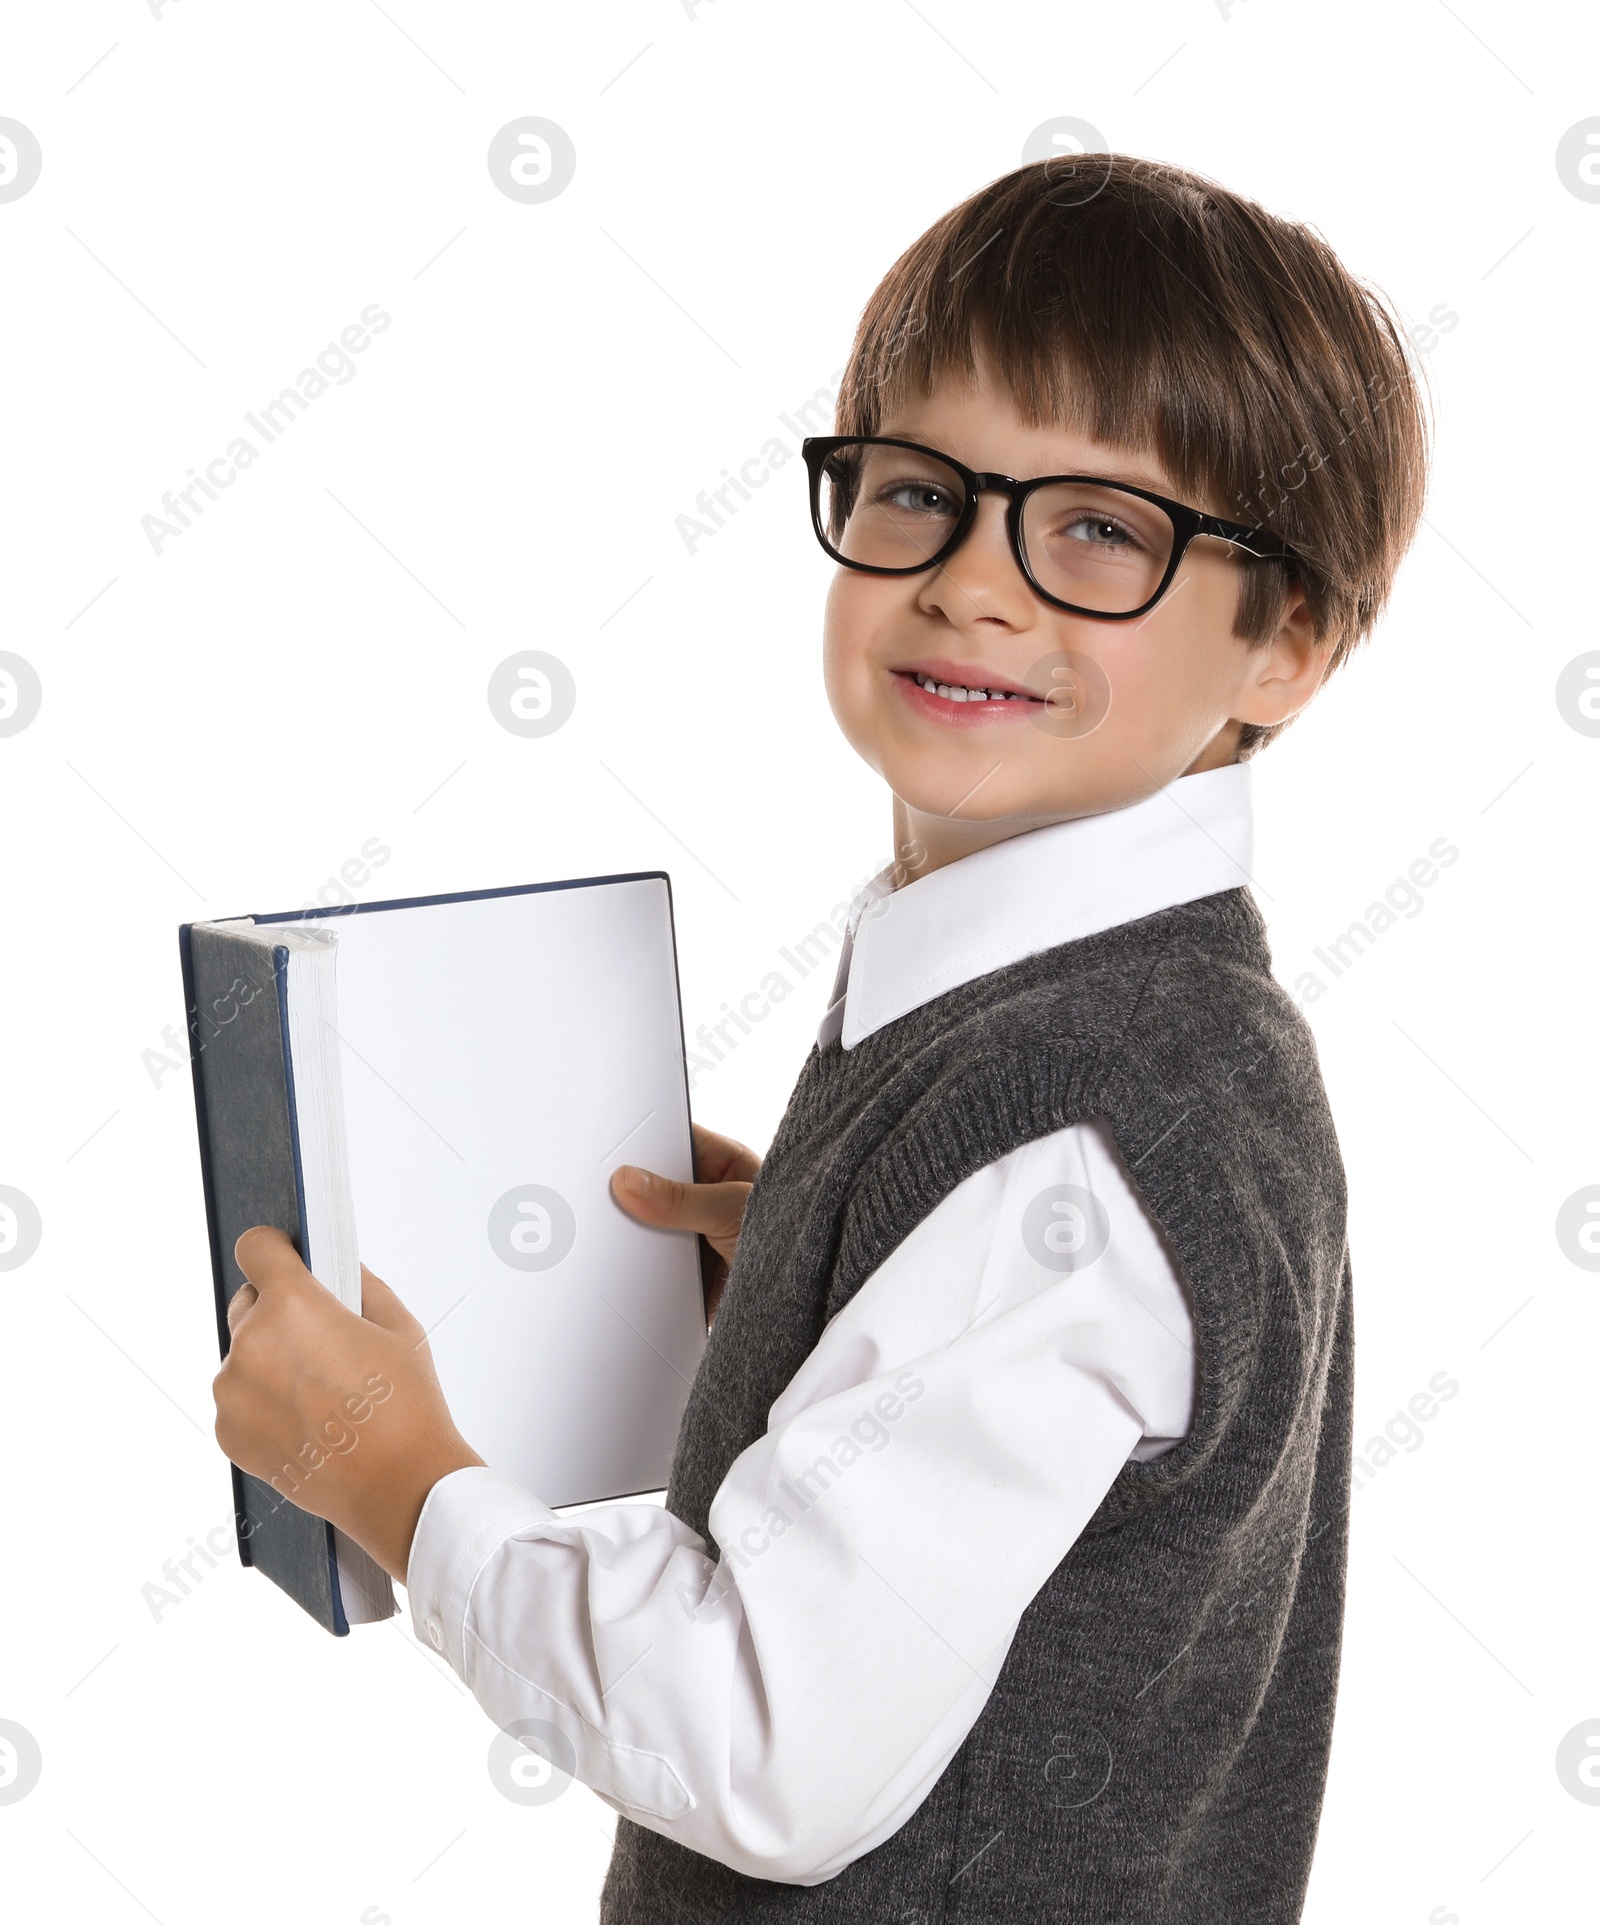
point(435, 1634)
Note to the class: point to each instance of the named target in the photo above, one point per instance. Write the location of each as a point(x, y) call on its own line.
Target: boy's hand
point(341, 1414)
point(714, 1207)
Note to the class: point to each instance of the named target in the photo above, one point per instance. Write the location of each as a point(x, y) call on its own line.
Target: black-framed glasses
point(1088, 545)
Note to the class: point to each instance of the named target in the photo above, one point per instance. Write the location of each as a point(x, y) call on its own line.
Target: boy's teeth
point(957, 692)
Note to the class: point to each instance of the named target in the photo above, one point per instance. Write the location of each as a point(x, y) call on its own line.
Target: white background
point(224, 724)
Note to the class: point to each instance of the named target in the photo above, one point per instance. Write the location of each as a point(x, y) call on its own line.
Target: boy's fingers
point(720, 1158)
point(713, 1209)
point(380, 1305)
point(239, 1305)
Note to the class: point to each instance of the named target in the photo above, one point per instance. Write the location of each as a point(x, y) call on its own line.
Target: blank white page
point(519, 1043)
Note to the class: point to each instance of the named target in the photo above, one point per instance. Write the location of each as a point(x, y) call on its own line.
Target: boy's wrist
point(385, 1521)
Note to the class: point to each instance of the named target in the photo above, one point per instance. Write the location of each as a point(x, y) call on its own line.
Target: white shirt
point(921, 1476)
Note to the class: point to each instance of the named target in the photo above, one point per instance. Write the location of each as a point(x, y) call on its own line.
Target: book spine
point(236, 1004)
point(218, 1283)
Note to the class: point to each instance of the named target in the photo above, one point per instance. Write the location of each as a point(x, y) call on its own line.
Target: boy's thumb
point(713, 1209)
point(650, 1198)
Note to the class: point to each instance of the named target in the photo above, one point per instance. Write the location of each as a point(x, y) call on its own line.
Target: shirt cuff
point(465, 1519)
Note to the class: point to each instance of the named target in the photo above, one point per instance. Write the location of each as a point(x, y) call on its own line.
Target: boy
point(1002, 1571)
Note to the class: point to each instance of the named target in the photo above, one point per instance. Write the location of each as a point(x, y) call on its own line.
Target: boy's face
point(1134, 703)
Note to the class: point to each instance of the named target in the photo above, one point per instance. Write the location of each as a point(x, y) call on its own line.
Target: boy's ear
point(1282, 673)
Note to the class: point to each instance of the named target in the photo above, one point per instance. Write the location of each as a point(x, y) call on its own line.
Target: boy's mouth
point(964, 694)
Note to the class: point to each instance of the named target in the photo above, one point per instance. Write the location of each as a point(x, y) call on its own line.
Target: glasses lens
point(888, 507)
point(1096, 547)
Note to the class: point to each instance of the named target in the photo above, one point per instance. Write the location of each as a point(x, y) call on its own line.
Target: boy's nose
point(981, 581)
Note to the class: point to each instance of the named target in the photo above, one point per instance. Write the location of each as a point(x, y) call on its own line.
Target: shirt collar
point(903, 947)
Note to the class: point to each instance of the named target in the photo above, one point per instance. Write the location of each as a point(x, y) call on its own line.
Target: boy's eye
point(921, 498)
point(1099, 531)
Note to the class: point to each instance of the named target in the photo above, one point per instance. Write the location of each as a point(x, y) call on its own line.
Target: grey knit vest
point(1156, 1745)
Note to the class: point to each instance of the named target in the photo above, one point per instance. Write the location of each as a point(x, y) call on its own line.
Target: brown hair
point(1164, 313)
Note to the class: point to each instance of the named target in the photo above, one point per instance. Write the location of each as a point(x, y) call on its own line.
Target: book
point(440, 1087)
